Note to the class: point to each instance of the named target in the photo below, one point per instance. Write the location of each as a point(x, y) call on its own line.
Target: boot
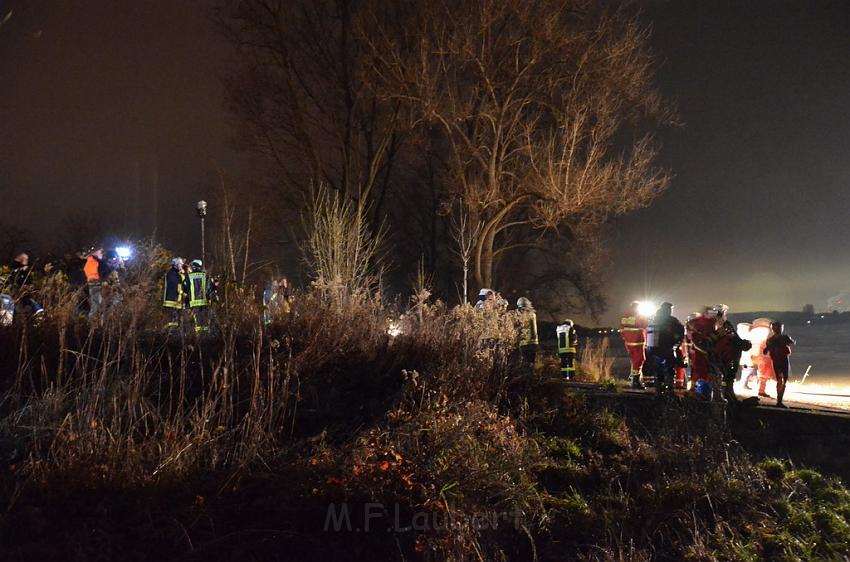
point(762, 392)
point(780, 393)
point(636, 384)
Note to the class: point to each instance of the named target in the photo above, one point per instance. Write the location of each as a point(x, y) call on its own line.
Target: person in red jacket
point(778, 346)
point(702, 330)
point(633, 331)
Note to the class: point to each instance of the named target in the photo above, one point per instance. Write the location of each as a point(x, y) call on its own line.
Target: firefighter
point(528, 341)
point(725, 351)
point(486, 300)
point(778, 346)
point(663, 336)
point(633, 331)
point(199, 296)
point(567, 344)
point(174, 289)
point(276, 299)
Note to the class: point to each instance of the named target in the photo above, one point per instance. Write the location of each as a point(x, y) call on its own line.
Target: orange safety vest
point(633, 330)
point(91, 269)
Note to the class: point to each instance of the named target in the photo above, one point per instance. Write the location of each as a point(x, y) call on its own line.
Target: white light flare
point(124, 252)
point(646, 308)
point(394, 330)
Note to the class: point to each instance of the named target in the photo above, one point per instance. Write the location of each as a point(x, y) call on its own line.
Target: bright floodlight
point(124, 252)
point(647, 308)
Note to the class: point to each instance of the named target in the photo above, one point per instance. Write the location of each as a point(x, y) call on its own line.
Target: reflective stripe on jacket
point(633, 330)
point(198, 289)
point(172, 296)
point(528, 329)
point(567, 338)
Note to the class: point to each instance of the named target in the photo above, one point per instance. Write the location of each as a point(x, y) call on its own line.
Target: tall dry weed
point(595, 362)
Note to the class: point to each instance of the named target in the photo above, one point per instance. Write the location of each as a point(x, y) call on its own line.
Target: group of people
point(529, 339)
point(88, 271)
point(661, 351)
point(703, 354)
point(98, 277)
point(188, 287)
point(16, 284)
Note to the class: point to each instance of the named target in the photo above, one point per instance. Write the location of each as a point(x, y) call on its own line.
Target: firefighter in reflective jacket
point(567, 344)
point(173, 292)
point(528, 341)
point(633, 331)
point(199, 296)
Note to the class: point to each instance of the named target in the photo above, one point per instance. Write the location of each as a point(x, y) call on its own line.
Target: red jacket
point(703, 327)
point(633, 329)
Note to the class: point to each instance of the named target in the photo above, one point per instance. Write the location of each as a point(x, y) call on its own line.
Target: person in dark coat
point(664, 336)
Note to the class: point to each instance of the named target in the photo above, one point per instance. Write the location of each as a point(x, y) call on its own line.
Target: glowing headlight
point(394, 330)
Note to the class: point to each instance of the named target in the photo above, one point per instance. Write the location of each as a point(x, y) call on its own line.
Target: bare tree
point(543, 107)
point(301, 98)
point(465, 235)
point(341, 251)
point(534, 119)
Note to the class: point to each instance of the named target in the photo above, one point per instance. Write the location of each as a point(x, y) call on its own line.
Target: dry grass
point(595, 363)
point(233, 446)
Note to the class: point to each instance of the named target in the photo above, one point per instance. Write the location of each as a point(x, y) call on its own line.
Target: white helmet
point(720, 309)
point(197, 263)
point(523, 302)
point(177, 262)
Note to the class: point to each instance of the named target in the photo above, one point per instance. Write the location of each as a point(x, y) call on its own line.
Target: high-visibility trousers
point(700, 370)
point(680, 377)
point(637, 357)
point(568, 367)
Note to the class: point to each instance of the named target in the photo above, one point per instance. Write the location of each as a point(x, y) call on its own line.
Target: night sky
point(101, 101)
